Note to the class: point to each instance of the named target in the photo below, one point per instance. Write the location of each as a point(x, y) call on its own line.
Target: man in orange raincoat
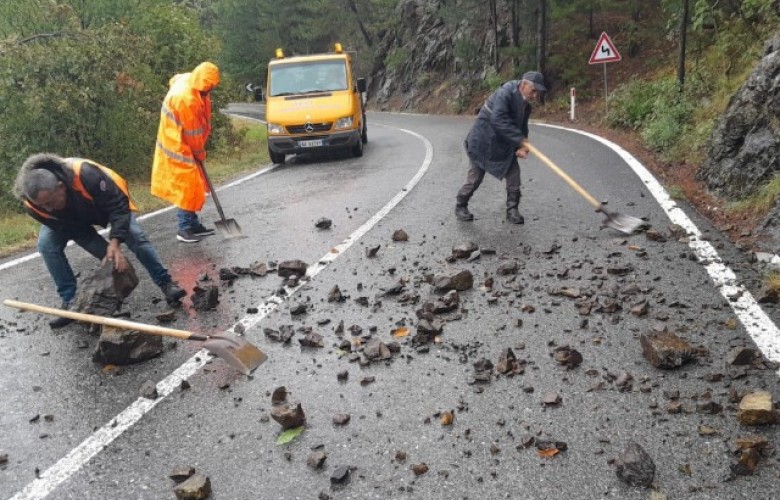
point(185, 125)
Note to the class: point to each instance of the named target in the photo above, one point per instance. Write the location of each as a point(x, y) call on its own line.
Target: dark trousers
point(476, 175)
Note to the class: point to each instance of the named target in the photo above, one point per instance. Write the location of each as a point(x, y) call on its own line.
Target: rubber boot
point(512, 214)
point(462, 208)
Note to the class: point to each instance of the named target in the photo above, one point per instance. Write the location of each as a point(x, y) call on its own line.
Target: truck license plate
point(310, 144)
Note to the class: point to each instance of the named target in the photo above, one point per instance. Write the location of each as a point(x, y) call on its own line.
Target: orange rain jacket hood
point(185, 125)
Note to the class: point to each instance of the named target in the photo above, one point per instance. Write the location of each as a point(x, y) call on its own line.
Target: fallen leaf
point(400, 332)
point(288, 435)
point(548, 453)
point(109, 369)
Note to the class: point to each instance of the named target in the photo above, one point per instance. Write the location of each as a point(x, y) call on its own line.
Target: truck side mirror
point(361, 85)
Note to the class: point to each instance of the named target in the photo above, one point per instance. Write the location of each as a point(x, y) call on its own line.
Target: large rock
point(635, 467)
point(756, 408)
point(745, 144)
point(666, 350)
point(123, 347)
point(197, 487)
point(103, 292)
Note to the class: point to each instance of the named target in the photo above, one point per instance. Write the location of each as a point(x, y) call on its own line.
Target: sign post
point(603, 53)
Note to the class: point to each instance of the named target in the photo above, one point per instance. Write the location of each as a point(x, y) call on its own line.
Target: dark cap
point(537, 79)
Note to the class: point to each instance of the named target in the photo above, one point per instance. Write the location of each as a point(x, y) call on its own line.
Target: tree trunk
point(541, 37)
point(515, 8)
point(351, 5)
point(494, 19)
point(683, 39)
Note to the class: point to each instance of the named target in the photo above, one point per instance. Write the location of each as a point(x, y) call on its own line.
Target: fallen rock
point(341, 419)
point(635, 467)
point(316, 459)
point(312, 339)
point(460, 281)
point(756, 408)
point(335, 295)
point(506, 268)
point(323, 223)
point(464, 250)
point(749, 451)
point(288, 415)
point(283, 335)
point(103, 292)
point(124, 347)
point(567, 356)
point(180, 474)
point(149, 390)
point(740, 356)
point(205, 298)
point(508, 363)
point(167, 316)
point(279, 395)
point(400, 235)
point(419, 469)
point(372, 251)
point(197, 487)
point(227, 274)
point(292, 267)
point(666, 350)
point(258, 269)
point(340, 474)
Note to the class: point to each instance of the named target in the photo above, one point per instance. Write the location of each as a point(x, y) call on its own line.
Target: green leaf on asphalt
point(288, 435)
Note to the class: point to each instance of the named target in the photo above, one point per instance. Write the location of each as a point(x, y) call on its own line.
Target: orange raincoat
point(185, 124)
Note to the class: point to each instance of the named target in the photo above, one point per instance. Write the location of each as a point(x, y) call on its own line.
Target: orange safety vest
point(185, 125)
point(75, 165)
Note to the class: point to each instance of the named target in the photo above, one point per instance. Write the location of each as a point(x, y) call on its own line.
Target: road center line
point(99, 440)
point(758, 325)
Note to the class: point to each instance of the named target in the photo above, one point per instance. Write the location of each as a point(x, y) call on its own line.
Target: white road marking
point(759, 326)
point(98, 441)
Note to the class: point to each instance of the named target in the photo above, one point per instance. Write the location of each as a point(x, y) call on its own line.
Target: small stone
point(756, 408)
point(292, 267)
point(167, 316)
point(197, 487)
point(400, 235)
point(323, 223)
point(288, 415)
point(205, 298)
point(567, 356)
point(464, 250)
point(279, 395)
point(400, 456)
point(343, 375)
point(341, 419)
point(340, 474)
point(316, 459)
point(635, 467)
point(740, 356)
point(372, 251)
point(180, 474)
point(666, 350)
point(149, 390)
point(312, 339)
point(419, 469)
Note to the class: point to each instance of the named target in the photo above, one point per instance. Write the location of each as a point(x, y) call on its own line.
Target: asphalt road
point(103, 441)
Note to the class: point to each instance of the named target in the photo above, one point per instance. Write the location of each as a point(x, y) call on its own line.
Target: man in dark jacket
point(495, 142)
point(69, 196)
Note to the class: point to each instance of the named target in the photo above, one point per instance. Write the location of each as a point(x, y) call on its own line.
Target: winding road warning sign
point(605, 51)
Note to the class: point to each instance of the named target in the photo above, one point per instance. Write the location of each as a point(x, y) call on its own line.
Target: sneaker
point(187, 237)
point(59, 321)
point(173, 292)
point(201, 230)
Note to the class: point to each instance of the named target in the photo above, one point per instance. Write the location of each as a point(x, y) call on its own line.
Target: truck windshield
point(307, 77)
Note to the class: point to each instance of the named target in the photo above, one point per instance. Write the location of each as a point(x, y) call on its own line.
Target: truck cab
point(314, 103)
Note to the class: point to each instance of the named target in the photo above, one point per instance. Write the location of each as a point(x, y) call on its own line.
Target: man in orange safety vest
point(185, 125)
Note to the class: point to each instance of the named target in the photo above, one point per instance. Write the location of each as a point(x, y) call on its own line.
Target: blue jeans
point(187, 220)
point(51, 245)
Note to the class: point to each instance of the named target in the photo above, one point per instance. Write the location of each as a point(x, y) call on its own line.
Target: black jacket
point(109, 204)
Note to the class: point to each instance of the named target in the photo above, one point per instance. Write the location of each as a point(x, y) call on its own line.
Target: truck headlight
point(275, 129)
point(342, 123)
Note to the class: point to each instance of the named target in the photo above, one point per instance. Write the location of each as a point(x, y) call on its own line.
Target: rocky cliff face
point(417, 57)
point(744, 149)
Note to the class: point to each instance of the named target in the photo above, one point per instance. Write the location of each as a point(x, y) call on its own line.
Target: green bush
point(492, 80)
point(630, 105)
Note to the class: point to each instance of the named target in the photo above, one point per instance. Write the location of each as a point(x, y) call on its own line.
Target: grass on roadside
point(19, 231)
point(761, 202)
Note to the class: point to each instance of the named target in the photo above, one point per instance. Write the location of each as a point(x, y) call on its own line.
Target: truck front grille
point(309, 128)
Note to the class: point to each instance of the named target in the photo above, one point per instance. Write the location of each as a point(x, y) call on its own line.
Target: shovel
point(623, 223)
point(228, 228)
point(236, 351)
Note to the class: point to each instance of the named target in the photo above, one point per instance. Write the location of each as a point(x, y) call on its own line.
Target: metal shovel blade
point(236, 351)
point(623, 223)
point(228, 228)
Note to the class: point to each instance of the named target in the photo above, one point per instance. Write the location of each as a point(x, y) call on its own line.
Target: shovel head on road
point(624, 223)
point(228, 228)
point(236, 351)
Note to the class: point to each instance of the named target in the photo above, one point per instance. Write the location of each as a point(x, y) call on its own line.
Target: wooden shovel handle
point(571, 182)
point(101, 320)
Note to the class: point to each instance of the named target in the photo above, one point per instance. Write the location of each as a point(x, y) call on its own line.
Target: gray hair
point(36, 175)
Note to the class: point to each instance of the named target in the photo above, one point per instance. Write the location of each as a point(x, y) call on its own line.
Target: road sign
point(605, 51)
point(250, 87)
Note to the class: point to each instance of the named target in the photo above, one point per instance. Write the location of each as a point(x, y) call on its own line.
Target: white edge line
point(64, 468)
point(759, 326)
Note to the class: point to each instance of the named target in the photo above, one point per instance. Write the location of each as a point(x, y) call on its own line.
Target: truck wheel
point(276, 157)
point(357, 149)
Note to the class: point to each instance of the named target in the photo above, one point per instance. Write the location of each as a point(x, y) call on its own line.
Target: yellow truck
point(314, 103)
